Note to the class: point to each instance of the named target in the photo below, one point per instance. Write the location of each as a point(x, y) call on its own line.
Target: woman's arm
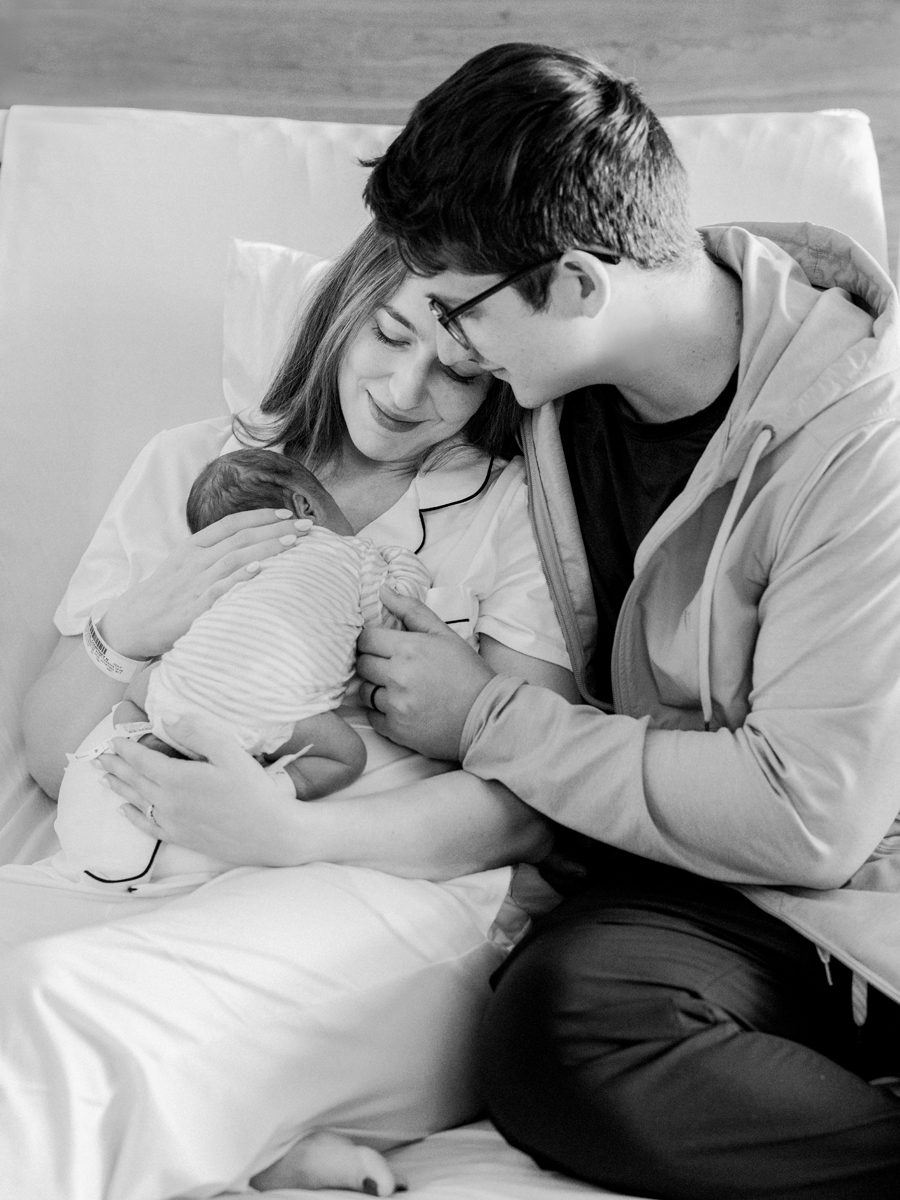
point(441, 828)
point(438, 828)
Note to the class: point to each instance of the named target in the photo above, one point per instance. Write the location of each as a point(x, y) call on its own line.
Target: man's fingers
point(379, 722)
point(375, 669)
point(416, 616)
point(378, 642)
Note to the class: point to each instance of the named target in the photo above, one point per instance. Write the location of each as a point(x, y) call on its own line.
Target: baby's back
point(276, 648)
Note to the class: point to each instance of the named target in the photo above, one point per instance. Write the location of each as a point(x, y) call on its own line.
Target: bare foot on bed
point(327, 1160)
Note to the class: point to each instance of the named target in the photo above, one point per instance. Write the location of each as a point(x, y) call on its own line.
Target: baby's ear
point(302, 505)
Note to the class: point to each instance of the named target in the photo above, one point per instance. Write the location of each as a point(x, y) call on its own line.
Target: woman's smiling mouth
point(387, 421)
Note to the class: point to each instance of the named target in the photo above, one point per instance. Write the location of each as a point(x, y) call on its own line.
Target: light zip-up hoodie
point(756, 663)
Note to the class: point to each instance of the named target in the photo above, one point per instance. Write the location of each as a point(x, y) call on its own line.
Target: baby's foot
point(328, 1160)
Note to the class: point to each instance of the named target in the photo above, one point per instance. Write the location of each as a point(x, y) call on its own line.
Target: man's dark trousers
point(660, 1035)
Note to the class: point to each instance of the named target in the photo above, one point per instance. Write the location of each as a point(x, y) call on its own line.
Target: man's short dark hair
point(523, 153)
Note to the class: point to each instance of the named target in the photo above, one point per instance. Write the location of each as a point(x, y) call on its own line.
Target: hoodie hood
point(804, 287)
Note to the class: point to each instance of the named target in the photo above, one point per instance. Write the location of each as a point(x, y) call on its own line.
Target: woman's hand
point(226, 806)
point(149, 618)
point(437, 828)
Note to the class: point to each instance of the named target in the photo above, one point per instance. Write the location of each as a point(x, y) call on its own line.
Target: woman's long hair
point(302, 409)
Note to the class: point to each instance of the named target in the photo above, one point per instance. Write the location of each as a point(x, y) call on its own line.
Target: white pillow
point(264, 290)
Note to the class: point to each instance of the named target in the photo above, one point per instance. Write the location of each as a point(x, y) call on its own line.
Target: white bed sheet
point(471, 1163)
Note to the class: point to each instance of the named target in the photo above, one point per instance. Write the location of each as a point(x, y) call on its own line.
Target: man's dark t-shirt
point(624, 473)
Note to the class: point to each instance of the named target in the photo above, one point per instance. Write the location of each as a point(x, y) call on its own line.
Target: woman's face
point(397, 398)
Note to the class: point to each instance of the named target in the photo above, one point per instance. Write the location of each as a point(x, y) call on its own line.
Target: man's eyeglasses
point(449, 317)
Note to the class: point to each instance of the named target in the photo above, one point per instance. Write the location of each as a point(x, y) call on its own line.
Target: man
point(713, 1011)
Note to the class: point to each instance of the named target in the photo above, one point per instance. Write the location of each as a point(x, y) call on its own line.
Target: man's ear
point(302, 505)
point(587, 284)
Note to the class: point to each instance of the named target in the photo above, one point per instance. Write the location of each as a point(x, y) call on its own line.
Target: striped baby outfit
point(281, 646)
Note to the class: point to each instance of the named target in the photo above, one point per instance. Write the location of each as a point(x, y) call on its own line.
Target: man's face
point(541, 354)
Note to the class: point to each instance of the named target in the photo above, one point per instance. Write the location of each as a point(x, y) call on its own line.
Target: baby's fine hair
point(244, 480)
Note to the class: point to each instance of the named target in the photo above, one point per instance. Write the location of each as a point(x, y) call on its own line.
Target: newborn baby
point(271, 660)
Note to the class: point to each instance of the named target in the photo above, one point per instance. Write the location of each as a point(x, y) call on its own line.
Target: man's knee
point(580, 993)
point(573, 1052)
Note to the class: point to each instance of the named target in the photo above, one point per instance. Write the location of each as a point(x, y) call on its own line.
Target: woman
point(185, 1038)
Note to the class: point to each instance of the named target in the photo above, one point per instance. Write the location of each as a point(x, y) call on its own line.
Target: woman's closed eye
point(453, 376)
point(467, 380)
point(381, 336)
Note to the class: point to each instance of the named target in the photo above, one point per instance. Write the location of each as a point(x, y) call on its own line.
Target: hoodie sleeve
point(802, 788)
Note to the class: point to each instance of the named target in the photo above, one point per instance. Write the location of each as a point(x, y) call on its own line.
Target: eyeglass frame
point(448, 319)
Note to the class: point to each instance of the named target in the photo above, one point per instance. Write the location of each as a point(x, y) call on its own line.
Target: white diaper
point(101, 848)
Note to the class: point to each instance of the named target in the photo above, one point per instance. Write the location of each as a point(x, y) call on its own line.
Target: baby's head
point(248, 479)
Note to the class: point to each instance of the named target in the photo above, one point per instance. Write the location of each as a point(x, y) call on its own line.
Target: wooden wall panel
point(371, 59)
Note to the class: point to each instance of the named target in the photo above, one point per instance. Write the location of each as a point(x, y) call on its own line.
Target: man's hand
point(424, 679)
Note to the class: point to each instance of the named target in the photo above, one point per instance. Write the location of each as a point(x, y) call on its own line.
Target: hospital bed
point(149, 266)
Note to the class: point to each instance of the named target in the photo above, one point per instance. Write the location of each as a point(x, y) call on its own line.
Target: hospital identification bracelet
point(116, 666)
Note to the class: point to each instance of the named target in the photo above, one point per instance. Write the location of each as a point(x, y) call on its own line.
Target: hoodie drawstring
point(859, 989)
point(762, 440)
point(825, 956)
point(859, 999)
